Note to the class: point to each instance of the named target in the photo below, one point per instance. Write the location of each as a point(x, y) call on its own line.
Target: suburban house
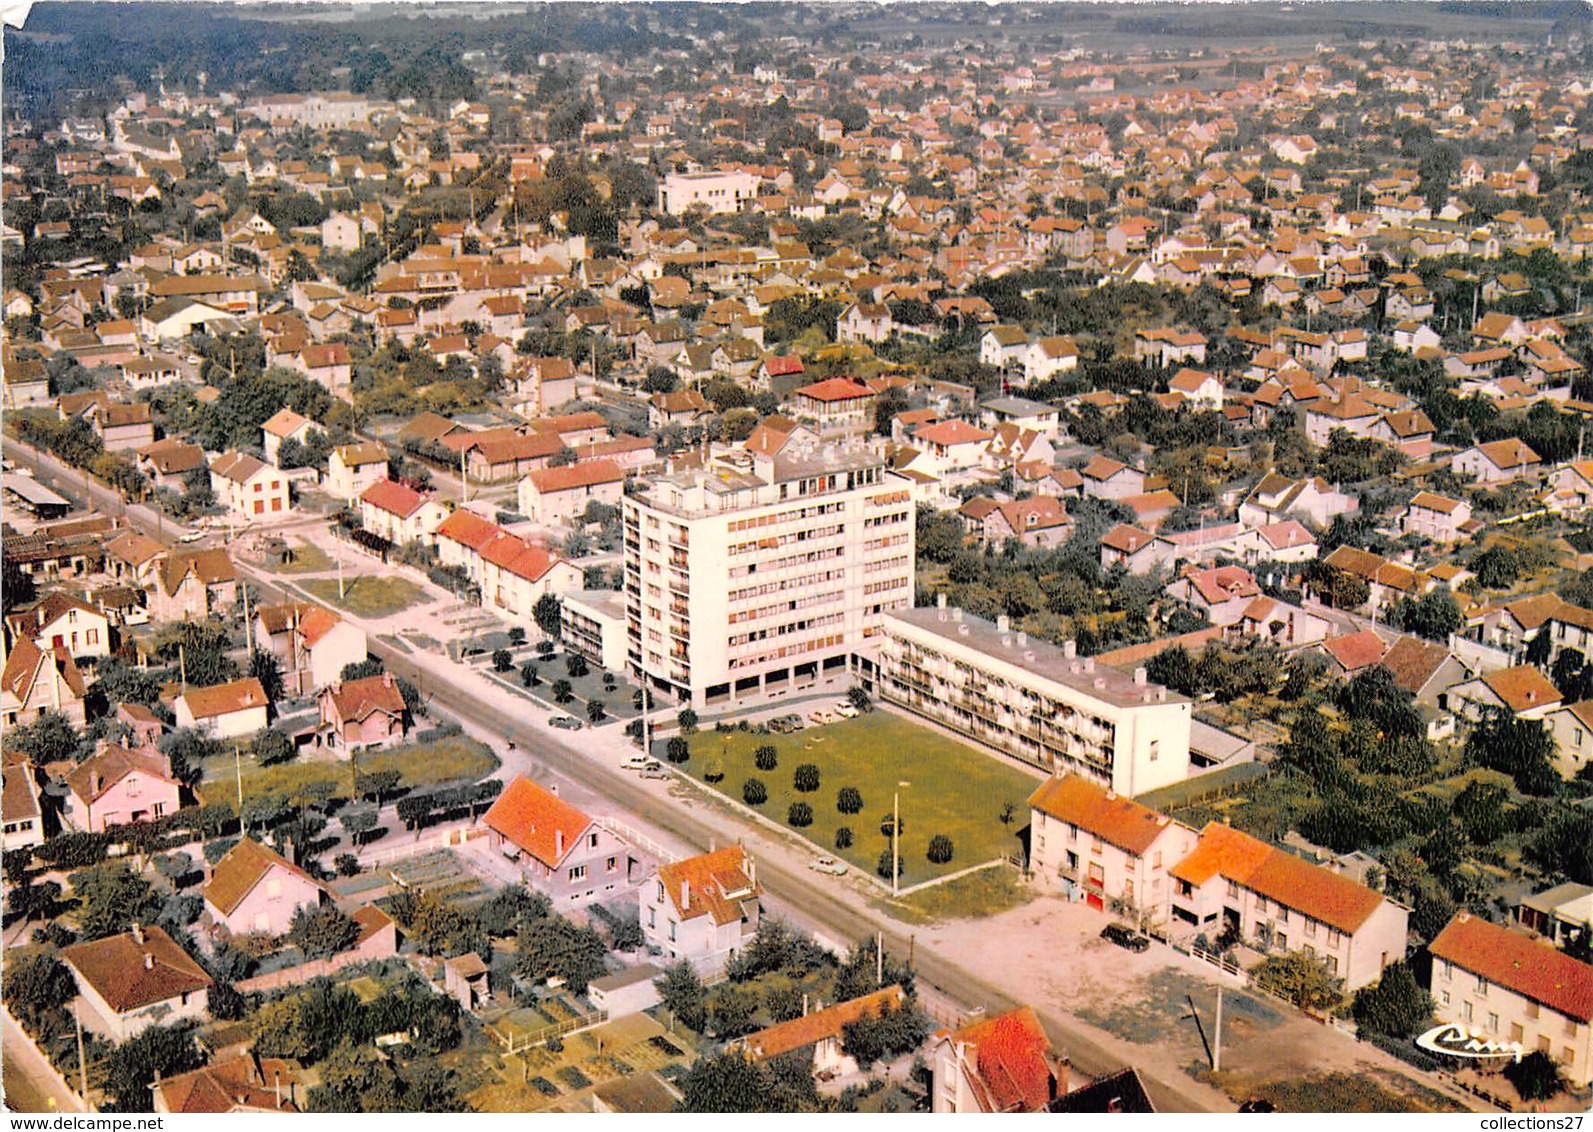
point(1106, 478)
point(129, 982)
point(224, 711)
point(21, 816)
point(835, 402)
point(59, 620)
point(562, 853)
point(703, 909)
point(1505, 986)
point(255, 889)
point(351, 468)
point(1278, 497)
point(1572, 728)
point(311, 643)
point(1284, 903)
point(1523, 690)
point(248, 487)
point(362, 714)
point(552, 495)
point(284, 425)
point(192, 584)
point(821, 1030)
point(1499, 461)
point(35, 681)
point(1000, 1064)
point(115, 786)
point(1437, 517)
point(245, 1082)
point(168, 463)
point(1558, 913)
point(1103, 848)
point(400, 514)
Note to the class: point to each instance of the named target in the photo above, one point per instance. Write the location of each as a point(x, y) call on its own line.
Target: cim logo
point(1460, 1041)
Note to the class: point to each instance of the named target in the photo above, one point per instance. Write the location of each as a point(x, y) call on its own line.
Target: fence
point(448, 839)
point(513, 1044)
point(1231, 966)
point(633, 836)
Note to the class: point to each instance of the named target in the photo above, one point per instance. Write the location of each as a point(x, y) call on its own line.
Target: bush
point(575, 664)
point(800, 815)
point(686, 718)
point(677, 750)
point(714, 771)
point(516, 636)
point(348, 865)
point(271, 746)
point(806, 778)
point(849, 800)
point(889, 824)
point(940, 849)
point(886, 865)
point(502, 660)
point(843, 838)
point(754, 792)
point(766, 757)
point(529, 675)
point(1536, 1076)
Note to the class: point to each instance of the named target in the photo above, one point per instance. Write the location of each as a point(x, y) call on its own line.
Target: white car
point(828, 865)
point(637, 762)
point(845, 710)
point(822, 715)
point(191, 536)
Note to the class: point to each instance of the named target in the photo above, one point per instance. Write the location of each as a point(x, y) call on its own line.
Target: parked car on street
point(829, 865)
point(637, 762)
point(1125, 936)
point(845, 710)
point(566, 723)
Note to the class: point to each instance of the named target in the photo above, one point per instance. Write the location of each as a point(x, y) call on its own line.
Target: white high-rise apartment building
point(758, 573)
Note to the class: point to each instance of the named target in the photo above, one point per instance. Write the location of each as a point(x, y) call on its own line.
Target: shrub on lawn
point(529, 675)
point(575, 664)
point(563, 692)
point(516, 636)
point(754, 792)
point(800, 815)
point(677, 750)
point(888, 824)
point(886, 865)
point(714, 771)
point(849, 800)
point(843, 838)
point(806, 778)
point(686, 719)
point(766, 757)
point(348, 865)
point(940, 849)
point(502, 660)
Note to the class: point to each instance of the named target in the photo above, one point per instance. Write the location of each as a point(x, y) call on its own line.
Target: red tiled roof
point(222, 699)
point(1522, 688)
point(1355, 651)
point(244, 866)
point(587, 474)
point(394, 498)
point(96, 774)
point(835, 389)
point(715, 884)
point(468, 529)
point(813, 1028)
point(539, 822)
point(951, 432)
point(1309, 889)
point(1011, 1061)
point(1114, 819)
point(1518, 963)
point(128, 974)
point(357, 699)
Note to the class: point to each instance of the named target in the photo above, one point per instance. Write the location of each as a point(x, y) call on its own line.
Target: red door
point(1093, 899)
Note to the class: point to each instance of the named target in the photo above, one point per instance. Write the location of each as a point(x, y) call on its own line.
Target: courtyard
point(945, 787)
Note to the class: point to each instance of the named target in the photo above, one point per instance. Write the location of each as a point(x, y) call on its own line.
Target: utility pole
point(182, 665)
point(82, 1066)
point(896, 843)
point(1216, 1041)
point(237, 766)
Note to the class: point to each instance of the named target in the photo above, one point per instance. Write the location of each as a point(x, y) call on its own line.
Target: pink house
point(115, 786)
point(363, 713)
point(253, 889)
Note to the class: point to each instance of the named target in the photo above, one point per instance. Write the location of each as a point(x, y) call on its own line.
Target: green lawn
point(458, 758)
point(307, 559)
point(368, 595)
point(952, 789)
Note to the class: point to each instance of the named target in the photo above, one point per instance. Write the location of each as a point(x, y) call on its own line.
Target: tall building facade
point(757, 573)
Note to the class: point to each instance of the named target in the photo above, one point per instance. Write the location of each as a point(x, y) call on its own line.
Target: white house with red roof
point(703, 909)
point(224, 711)
point(127, 983)
point(561, 851)
point(364, 714)
point(1503, 985)
point(255, 889)
point(1000, 1064)
point(249, 488)
point(951, 446)
point(551, 495)
point(1102, 847)
point(835, 402)
point(1499, 461)
point(311, 643)
point(400, 514)
point(1280, 902)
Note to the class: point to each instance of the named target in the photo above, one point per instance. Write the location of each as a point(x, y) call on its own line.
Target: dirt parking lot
point(1049, 952)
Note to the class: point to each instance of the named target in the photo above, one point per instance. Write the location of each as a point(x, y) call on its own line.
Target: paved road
point(29, 1083)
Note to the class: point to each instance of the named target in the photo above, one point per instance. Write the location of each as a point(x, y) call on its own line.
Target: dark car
point(1125, 936)
point(566, 723)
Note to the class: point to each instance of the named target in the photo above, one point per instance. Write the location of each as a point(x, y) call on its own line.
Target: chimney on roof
point(685, 895)
point(1089, 664)
point(1003, 623)
point(940, 600)
point(558, 842)
point(1070, 649)
point(149, 961)
point(138, 934)
point(956, 613)
point(387, 679)
point(1141, 676)
point(1023, 640)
